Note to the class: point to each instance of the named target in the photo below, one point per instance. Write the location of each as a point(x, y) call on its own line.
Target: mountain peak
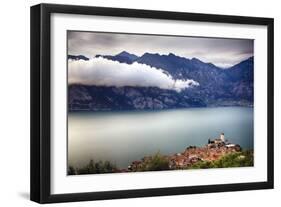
point(251, 58)
point(196, 60)
point(128, 55)
point(123, 53)
point(77, 57)
point(171, 54)
point(247, 61)
point(150, 54)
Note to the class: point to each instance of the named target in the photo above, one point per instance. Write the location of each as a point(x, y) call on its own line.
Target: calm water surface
point(122, 137)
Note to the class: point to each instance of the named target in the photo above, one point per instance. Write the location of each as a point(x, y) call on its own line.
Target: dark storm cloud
point(219, 51)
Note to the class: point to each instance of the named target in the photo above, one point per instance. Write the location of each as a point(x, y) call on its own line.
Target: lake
point(122, 137)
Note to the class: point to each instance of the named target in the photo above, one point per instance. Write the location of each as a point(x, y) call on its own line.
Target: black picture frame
point(41, 102)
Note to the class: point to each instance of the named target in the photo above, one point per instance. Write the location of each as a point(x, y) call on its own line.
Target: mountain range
point(218, 87)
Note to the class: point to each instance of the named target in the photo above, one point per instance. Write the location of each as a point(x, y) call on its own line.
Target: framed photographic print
point(132, 103)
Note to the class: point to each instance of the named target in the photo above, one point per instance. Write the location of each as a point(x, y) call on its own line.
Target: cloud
point(103, 72)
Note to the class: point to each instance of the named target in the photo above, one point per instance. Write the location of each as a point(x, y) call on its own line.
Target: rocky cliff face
point(95, 98)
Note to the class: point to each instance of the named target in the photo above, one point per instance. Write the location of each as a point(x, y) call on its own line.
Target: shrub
point(156, 163)
point(236, 159)
point(93, 168)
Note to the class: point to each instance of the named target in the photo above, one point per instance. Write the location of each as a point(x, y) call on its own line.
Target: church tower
point(222, 137)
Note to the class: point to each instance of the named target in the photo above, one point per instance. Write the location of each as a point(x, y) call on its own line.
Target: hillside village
point(217, 153)
point(213, 150)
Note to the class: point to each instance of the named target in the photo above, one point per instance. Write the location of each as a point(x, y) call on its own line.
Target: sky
point(222, 52)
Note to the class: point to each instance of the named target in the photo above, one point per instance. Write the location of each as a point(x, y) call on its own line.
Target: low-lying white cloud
point(104, 72)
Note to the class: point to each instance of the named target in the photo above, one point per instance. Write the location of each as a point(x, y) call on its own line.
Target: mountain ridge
point(134, 58)
point(218, 87)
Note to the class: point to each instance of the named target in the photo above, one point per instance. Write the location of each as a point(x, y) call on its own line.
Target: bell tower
point(222, 137)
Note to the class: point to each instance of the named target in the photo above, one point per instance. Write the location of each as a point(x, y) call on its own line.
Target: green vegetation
point(160, 162)
point(156, 163)
point(236, 159)
point(93, 168)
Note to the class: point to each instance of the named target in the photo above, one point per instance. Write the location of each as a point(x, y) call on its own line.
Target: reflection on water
point(122, 137)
